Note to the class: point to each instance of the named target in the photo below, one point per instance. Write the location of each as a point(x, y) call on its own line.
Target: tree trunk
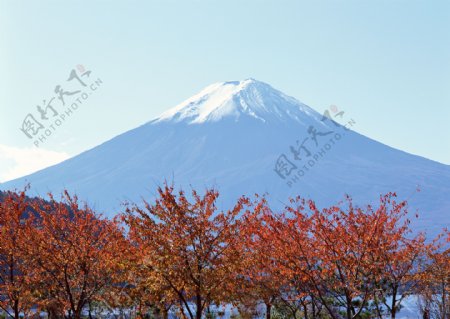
point(305, 310)
point(444, 301)
point(165, 313)
point(313, 307)
point(349, 308)
point(16, 309)
point(268, 310)
point(77, 313)
point(394, 301)
point(52, 313)
point(90, 311)
point(199, 311)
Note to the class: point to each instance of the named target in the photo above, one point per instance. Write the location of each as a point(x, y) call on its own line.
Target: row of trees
point(180, 255)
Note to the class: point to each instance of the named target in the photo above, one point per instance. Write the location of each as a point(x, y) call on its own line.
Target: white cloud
point(17, 162)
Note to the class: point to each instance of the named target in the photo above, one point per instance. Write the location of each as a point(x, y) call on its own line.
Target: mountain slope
point(237, 136)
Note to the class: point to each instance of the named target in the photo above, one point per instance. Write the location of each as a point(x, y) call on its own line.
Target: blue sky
point(385, 63)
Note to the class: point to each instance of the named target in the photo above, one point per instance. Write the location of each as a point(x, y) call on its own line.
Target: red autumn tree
point(291, 246)
point(396, 254)
point(340, 255)
point(258, 279)
point(188, 246)
point(360, 248)
point(15, 294)
point(435, 279)
point(75, 254)
point(145, 289)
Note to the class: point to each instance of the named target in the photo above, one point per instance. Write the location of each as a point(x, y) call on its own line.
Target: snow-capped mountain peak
point(234, 99)
point(245, 137)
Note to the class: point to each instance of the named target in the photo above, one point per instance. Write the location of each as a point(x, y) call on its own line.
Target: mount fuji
point(245, 137)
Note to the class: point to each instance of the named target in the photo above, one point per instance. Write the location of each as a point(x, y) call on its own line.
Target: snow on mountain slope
point(233, 99)
point(237, 136)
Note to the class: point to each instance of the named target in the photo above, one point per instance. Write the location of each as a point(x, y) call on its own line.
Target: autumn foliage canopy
point(180, 255)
